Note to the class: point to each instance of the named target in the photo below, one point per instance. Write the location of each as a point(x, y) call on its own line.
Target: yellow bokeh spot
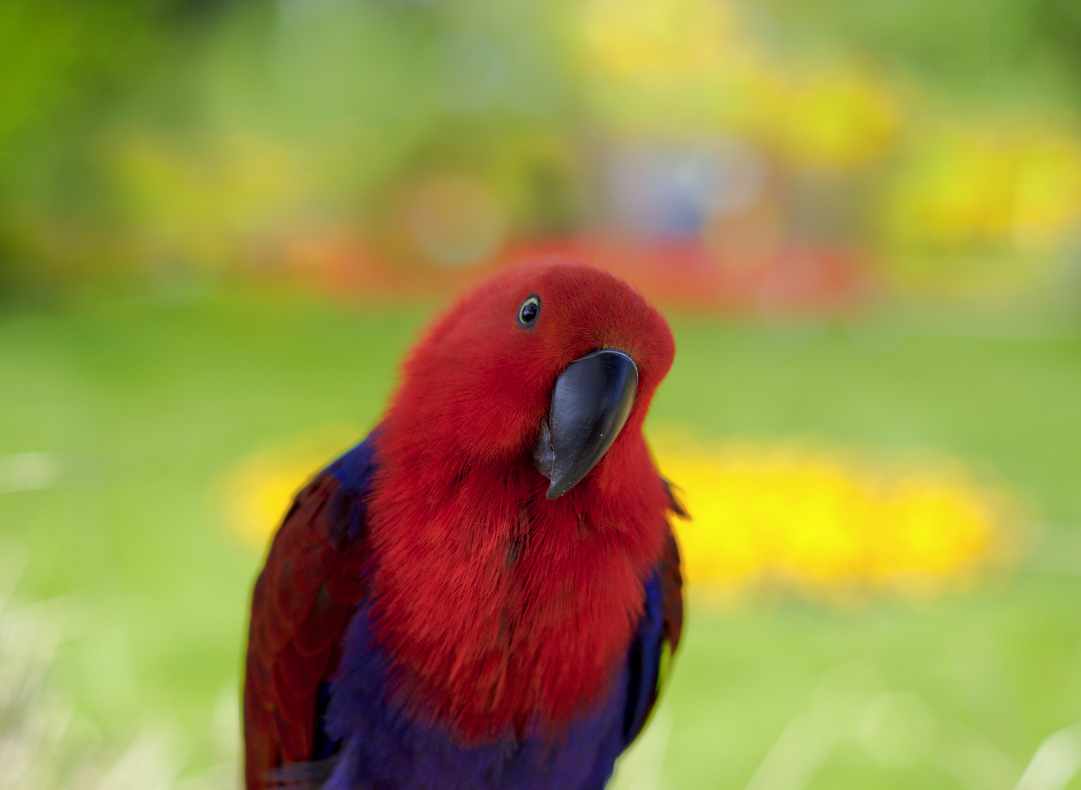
point(666, 66)
point(822, 524)
point(999, 185)
point(656, 39)
point(834, 118)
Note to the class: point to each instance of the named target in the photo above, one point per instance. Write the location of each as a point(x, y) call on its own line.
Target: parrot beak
point(591, 401)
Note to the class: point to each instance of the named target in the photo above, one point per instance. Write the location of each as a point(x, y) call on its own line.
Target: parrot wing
point(302, 604)
point(658, 635)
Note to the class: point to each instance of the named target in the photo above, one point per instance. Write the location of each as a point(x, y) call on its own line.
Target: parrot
point(485, 592)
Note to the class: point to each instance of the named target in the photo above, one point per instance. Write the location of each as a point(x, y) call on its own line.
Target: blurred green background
point(223, 223)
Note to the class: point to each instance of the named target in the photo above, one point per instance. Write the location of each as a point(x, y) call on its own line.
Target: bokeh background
point(222, 223)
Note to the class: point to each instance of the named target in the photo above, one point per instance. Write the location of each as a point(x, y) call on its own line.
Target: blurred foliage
point(1010, 196)
point(276, 111)
point(71, 67)
point(996, 51)
point(194, 139)
point(686, 68)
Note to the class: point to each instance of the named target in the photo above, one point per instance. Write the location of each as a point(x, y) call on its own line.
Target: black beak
point(591, 401)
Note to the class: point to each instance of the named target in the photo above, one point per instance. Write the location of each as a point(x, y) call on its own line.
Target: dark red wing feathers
point(672, 592)
point(302, 604)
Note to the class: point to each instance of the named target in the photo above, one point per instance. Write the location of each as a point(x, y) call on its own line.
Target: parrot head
point(547, 364)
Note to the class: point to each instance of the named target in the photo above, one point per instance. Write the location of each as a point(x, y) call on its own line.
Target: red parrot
point(483, 592)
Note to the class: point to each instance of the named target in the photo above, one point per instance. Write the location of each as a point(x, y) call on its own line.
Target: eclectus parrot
point(484, 592)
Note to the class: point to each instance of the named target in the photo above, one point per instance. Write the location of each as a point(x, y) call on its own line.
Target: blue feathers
point(382, 746)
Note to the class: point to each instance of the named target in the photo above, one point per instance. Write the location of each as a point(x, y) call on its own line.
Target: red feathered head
point(552, 363)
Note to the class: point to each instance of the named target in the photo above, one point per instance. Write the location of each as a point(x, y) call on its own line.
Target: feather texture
point(426, 618)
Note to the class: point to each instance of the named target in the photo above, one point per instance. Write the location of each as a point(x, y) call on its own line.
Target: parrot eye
point(528, 312)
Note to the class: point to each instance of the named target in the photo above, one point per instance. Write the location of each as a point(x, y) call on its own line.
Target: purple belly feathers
point(381, 747)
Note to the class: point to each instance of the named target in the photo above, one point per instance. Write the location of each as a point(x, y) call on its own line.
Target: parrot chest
point(523, 624)
point(383, 747)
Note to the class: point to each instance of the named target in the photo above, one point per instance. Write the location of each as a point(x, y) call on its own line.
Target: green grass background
point(147, 404)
